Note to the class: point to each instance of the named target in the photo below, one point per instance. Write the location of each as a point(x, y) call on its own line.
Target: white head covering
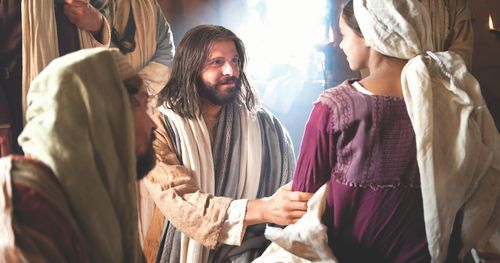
point(395, 28)
point(80, 125)
point(458, 147)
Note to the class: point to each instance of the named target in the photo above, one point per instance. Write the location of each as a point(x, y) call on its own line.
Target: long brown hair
point(349, 18)
point(181, 94)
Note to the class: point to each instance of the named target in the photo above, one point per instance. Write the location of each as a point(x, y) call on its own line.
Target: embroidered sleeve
point(317, 151)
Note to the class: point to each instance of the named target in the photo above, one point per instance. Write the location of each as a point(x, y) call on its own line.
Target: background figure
point(69, 26)
point(411, 164)
point(58, 36)
point(137, 28)
point(39, 50)
point(217, 152)
point(73, 197)
point(140, 30)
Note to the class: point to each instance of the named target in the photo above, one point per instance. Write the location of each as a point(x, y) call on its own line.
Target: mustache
point(228, 80)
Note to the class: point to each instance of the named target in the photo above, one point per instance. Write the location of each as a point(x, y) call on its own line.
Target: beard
point(145, 162)
point(213, 93)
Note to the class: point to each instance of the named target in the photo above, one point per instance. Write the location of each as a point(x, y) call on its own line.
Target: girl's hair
point(349, 18)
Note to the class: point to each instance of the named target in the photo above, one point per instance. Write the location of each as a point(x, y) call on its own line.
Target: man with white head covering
point(444, 127)
point(73, 198)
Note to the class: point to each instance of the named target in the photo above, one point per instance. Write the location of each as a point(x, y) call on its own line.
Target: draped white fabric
point(197, 155)
point(304, 241)
point(458, 146)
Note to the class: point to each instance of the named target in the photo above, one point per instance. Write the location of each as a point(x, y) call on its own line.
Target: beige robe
point(40, 44)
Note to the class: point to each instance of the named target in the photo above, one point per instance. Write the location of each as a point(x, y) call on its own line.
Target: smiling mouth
point(230, 84)
point(226, 82)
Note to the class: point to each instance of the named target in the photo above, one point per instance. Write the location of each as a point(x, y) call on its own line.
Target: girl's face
point(354, 46)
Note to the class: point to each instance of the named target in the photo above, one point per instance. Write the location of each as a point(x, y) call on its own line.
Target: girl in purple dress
point(392, 146)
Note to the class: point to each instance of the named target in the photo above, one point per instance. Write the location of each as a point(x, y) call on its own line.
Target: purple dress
point(364, 145)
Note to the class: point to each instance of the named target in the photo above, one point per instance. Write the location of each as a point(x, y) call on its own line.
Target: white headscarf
point(80, 125)
point(458, 146)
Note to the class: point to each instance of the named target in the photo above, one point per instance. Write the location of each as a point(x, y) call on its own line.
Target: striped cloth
point(246, 144)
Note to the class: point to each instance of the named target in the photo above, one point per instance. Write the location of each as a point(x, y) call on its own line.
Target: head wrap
point(395, 28)
point(458, 147)
point(79, 123)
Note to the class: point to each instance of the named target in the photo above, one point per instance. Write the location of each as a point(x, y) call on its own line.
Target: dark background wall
point(486, 59)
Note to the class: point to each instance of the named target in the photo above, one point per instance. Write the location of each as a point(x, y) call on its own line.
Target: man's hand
point(5, 140)
point(283, 208)
point(83, 15)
